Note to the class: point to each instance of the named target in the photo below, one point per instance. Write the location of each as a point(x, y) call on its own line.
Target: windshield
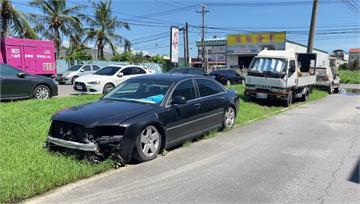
point(108, 71)
point(74, 68)
point(140, 90)
point(179, 71)
point(321, 71)
point(268, 65)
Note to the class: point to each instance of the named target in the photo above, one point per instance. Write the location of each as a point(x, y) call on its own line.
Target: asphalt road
point(307, 154)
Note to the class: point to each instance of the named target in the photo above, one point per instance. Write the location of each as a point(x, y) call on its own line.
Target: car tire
point(229, 118)
point(41, 92)
point(108, 87)
point(73, 79)
point(289, 99)
point(228, 82)
point(147, 144)
point(336, 90)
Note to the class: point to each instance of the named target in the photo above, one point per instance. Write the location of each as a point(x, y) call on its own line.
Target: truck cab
point(280, 75)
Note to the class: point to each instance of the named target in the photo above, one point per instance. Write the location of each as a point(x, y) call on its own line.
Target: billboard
point(253, 43)
point(174, 44)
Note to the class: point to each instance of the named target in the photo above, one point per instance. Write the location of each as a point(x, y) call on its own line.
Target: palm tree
point(58, 20)
point(14, 21)
point(102, 28)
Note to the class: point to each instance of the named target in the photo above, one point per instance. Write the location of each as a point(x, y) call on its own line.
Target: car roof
point(169, 77)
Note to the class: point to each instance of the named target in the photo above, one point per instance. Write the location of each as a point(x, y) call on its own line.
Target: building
point(242, 48)
point(215, 50)
point(238, 50)
point(354, 55)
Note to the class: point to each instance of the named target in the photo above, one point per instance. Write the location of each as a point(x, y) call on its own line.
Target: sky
point(338, 27)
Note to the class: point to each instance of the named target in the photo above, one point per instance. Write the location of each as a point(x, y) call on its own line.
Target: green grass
point(27, 169)
point(349, 77)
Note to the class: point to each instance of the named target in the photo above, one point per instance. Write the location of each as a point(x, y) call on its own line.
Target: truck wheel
point(331, 89)
point(289, 99)
point(336, 90)
point(305, 96)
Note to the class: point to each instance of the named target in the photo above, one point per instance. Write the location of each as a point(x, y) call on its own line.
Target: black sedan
point(188, 70)
point(143, 116)
point(227, 76)
point(16, 84)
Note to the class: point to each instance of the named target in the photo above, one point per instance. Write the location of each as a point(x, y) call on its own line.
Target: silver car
point(69, 76)
point(328, 79)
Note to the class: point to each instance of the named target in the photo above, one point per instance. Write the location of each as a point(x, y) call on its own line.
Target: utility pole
point(203, 10)
point(312, 27)
point(186, 44)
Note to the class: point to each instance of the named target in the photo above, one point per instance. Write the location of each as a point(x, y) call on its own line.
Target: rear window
point(321, 71)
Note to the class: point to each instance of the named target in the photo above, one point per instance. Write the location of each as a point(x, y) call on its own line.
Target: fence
point(61, 65)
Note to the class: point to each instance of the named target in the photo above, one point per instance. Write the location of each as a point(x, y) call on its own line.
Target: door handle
point(197, 105)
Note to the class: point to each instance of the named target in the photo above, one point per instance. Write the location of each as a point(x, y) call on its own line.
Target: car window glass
point(208, 87)
point(127, 71)
point(185, 89)
point(138, 70)
point(108, 71)
point(6, 70)
point(95, 67)
point(87, 68)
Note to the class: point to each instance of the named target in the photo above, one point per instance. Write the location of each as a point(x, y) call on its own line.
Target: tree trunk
point(5, 18)
point(57, 42)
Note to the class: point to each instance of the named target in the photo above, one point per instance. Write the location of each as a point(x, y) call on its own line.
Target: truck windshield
point(268, 65)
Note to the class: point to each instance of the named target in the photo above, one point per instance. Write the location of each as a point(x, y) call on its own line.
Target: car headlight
point(94, 82)
point(280, 90)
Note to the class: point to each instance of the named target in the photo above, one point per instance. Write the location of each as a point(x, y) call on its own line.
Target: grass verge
point(26, 169)
point(349, 77)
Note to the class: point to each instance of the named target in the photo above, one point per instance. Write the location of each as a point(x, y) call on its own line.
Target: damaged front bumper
point(87, 147)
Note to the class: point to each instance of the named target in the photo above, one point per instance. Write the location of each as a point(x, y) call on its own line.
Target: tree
point(15, 22)
point(76, 54)
point(123, 57)
point(58, 19)
point(102, 28)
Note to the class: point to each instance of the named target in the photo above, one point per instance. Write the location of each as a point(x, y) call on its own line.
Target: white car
point(69, 76)
point(107, 78)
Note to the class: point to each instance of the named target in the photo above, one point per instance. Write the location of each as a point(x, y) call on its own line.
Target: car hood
point(93, 77)
point(102, 112)
point(68, 73)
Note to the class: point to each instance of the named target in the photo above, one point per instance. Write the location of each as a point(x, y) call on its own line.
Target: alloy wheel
point(42, 92)
point(229, 118)
point(150, 141)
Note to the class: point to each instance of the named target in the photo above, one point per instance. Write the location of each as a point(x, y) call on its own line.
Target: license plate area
point(261, 95)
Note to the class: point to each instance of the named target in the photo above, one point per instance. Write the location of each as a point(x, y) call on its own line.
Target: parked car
point(69, 76)
point(188, 70)
point(16, 84)
point(145, 115)
point(326, 78)
point(227, 76)
point(107, 78)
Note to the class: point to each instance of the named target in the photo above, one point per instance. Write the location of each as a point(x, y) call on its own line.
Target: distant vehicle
point(30, 56)
point(69, 76)
point(188, 70)
point(327, 78)
point(143, 116)
point(280, 75)
point(108, 77)
point(227, 76)
point(16, 84)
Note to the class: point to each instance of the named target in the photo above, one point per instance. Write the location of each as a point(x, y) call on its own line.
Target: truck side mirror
point(292, 66)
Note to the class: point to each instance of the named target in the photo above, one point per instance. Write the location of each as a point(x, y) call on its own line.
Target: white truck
point(280, 75)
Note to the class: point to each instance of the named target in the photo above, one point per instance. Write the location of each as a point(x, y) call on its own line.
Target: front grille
point(263, 90)
point(79, 86)
point(68, 131)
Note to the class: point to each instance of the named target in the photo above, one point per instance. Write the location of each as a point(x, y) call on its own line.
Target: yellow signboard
point(255, 38)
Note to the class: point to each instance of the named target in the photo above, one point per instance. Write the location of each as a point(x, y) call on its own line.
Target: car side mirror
point(21, 75)
point(179, 100)
point(82, 70)
point(120, 74)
